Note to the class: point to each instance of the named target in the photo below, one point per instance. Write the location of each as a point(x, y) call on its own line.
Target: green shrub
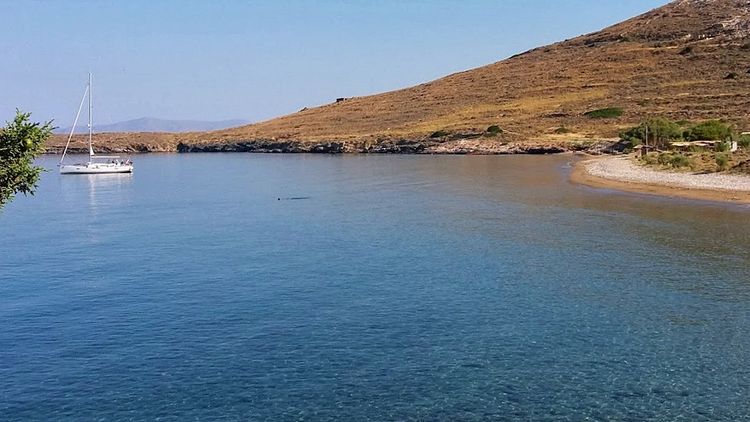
point(679, 161)
point(650, 159)
point(744, 141)
point(723, 146)
point(722, 160)
point(439, 134)
point(494, 129)
point(604, 113)
point(673, 160)
point(711, 130)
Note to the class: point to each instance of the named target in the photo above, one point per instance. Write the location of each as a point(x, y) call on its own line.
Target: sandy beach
point(622, 173)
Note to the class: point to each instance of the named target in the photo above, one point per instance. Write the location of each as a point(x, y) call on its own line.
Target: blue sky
point(215, 60)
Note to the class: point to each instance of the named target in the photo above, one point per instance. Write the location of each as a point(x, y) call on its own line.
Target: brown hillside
point(687, 60)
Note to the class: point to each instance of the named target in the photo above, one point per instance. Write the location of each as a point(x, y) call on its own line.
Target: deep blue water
point(399, 288)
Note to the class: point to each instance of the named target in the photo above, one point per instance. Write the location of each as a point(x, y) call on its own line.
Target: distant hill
point(687, 60)
point(150, 124)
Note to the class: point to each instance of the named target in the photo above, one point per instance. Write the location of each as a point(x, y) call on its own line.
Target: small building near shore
point(686, 146)
point(704, 145)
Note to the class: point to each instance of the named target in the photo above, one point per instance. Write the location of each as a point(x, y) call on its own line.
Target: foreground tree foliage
point(20, 142)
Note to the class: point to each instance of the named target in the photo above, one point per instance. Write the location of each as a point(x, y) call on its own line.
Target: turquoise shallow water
point(401, 288)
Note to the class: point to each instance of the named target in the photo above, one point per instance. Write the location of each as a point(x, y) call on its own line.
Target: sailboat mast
point(91, 125)
point(75, 124)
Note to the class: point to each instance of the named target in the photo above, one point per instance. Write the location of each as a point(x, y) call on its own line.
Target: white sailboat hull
point(95, 168)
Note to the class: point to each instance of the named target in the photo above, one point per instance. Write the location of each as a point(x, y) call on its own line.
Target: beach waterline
point(620, 172)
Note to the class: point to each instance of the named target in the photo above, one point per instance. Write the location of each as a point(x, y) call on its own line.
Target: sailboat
point(97, 164)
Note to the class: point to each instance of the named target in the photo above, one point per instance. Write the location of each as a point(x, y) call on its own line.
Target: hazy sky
point(215, 60)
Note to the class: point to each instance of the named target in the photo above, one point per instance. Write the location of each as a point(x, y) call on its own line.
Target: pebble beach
point(621, 172)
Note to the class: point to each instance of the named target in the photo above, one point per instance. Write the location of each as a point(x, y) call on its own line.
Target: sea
point(359, 287)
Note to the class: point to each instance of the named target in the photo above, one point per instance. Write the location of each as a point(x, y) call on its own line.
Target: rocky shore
point(465, 142)
point(401, 146)
point(623, 173)
point(110, 149)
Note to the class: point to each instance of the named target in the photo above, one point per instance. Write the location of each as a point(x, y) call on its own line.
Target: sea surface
point(309, 287)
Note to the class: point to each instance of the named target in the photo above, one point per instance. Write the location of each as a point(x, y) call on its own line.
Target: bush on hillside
point(664, 158)
point(494, 129)
point(722, 160)
point(439, 134)
point(649, 159)
point(723, 146)
point(679, 161)
point(605, 113)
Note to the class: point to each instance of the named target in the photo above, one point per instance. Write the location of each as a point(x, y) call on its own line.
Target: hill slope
point(687, 60)
point(150, 124)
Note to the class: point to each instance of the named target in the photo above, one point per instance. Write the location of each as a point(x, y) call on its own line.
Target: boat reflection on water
point(108, 190)
point(103, 191)
point(92, 203)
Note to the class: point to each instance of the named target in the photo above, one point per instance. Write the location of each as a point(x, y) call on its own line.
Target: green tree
point(660, 133)
point(711, 130)
point(20, 142)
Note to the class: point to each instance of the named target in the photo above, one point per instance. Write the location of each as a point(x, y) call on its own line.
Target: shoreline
point(619, 173)
point(459, 146)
